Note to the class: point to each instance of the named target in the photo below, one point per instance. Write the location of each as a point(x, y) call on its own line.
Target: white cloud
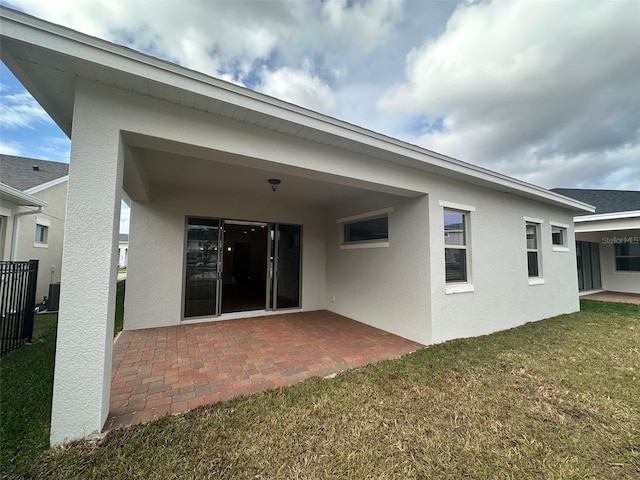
point(56, 148)
point(10, 148)
point(20, 110)
point(299, 87)
point(545, 91)
point(523, 86)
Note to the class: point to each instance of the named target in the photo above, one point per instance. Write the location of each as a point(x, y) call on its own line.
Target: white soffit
point(47, 58)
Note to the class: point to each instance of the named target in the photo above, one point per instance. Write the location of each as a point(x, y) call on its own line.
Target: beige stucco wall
point(155, 272)
point(400, 288)
point(50, 257)
point(502, 296)
point(385, 287)
point(403, 288)
point(7, 210)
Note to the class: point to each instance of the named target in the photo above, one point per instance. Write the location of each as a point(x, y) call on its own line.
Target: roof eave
point(34, 31)
point(14, 195)
point(607, 216)
point(49, 184)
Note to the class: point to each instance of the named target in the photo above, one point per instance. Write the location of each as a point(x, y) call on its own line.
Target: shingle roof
point(605, 201)
point(19, 172)
point(123, 237)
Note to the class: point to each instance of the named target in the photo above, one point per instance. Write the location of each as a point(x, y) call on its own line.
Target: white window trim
point(560, 248)
point(621, 272)
point(5, 212)
point(43, 221)
point(365, 244)
point(366, 215)
point(466, 286)
point(456, 206)
point(538, 224)
point(459, 288)
point(383, 212)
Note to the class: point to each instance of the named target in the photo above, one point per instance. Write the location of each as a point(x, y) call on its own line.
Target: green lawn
point(558, 398)
point(26, 383)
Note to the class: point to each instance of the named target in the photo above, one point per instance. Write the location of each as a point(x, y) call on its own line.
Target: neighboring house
point(123, 249)
point(33, 196)
point(228, 186)
point(608, 240)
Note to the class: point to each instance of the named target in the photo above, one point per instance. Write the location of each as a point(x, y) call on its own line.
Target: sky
point(544, 91)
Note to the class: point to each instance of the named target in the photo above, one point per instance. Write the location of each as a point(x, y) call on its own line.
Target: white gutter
point(607, 216)
point(16, 225)
point(20, 198)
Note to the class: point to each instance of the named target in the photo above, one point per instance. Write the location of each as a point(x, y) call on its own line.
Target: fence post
point(30, 304)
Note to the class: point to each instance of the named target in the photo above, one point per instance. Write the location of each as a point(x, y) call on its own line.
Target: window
point(533, 260)
point(42, 233)
point(627, 257)
point(559, 236)
point(455, 240)
point(366, 230)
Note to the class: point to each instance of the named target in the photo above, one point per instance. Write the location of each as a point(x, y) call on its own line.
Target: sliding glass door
point(288, 255)
point(202, 269)
point(237, 266)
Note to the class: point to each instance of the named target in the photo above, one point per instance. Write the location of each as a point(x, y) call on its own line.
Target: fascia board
point(49, 36)
point(20, 198)
point(44, 186)
point(607, 216)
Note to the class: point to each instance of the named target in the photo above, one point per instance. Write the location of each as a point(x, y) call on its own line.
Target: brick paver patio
point(171, 370)
point(614, 297)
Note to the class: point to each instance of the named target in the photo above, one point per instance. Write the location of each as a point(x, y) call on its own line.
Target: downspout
point(16, 224)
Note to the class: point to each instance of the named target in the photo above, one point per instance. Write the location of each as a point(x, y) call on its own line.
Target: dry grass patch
point(554, 399)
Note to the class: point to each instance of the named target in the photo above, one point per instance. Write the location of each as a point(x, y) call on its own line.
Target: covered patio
point(170, 370)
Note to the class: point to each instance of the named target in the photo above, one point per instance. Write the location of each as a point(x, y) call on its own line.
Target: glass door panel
point(288, 255)
point(202, 287)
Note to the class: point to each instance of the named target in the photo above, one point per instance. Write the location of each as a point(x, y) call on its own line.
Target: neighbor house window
point(365, 230)
point(627, 257)
point(455, 240)
point(533, 256)
point(42, 233)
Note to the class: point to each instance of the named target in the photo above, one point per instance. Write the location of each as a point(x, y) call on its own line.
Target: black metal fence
point(17, 303)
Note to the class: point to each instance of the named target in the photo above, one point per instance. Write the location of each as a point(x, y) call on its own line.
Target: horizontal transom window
point(372, 229)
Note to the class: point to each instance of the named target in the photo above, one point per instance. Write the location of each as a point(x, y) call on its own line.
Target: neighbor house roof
point(123, 237)
point(48, 59)
point(26, 173)
point(605, 201)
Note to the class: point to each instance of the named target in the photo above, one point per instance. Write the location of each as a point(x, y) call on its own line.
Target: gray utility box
point(53, 302)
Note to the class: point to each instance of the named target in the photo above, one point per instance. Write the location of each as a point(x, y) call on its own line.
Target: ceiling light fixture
point(274, 182)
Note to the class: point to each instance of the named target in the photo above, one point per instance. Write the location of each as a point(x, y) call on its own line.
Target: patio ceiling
point(153, 165)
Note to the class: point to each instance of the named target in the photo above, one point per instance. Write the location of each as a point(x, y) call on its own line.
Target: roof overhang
point(616, 221)
point(14, 195)
point(607, 216)
point(47, 59)
point(44, 186)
